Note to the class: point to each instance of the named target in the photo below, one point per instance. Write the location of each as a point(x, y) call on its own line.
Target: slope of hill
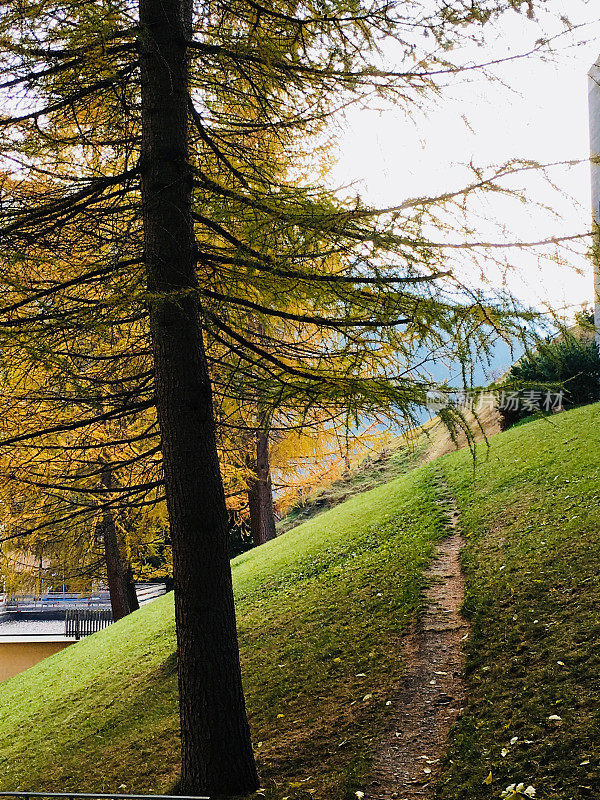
point(532, 513)
point(427, 443)
point(322, 611)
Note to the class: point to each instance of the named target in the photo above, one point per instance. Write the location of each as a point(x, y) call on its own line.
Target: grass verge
point(533, 592)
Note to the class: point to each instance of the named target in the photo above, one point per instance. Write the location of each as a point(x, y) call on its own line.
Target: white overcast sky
point(538, 110)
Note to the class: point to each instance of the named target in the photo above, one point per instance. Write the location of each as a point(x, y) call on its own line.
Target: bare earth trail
point(407, 761)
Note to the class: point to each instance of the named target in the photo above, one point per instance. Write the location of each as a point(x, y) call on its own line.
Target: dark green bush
point(568, 364)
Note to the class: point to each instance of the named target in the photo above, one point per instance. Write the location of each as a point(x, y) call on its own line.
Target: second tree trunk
point(260, 494)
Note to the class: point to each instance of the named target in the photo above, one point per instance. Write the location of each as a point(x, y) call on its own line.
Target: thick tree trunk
point(115, 569)
point(215, 738)
point(260, 494)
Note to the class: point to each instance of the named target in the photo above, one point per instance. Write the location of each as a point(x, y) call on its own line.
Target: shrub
point(569, 363)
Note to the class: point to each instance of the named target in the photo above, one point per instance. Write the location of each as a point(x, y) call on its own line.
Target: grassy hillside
point(384, 467)
point(321, 610)
point(427, 443)
point(533, 582)
point(321, 613)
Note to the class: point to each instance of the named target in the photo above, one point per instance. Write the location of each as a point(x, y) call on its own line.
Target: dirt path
point(407, 761)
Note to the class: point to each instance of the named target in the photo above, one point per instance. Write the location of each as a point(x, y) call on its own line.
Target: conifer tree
point(136, 198)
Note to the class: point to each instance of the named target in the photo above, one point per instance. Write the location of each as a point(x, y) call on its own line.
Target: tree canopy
point(170, 272)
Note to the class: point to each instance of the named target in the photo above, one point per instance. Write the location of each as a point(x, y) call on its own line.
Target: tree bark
point(132, 598)
point(216, 751)
point(115, 569)
point(260, 494)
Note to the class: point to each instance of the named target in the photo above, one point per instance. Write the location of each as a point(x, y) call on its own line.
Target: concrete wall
point(19, 653)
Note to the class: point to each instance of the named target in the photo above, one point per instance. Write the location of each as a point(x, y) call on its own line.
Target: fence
point(54, 600)
point(146, 592)
point(83, 622)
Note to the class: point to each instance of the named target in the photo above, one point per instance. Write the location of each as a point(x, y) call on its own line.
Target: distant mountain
point(484, 368)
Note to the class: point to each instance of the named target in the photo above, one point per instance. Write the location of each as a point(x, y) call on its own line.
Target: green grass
point(321, 611)
point(533, 591)
point(375, 470)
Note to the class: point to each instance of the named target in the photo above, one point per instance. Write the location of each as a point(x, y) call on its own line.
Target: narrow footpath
point(407, 762)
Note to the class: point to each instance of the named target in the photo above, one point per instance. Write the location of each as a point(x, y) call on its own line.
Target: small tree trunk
point(115, 569)
point(216, 751)
point(132, 597)
point(260, 494)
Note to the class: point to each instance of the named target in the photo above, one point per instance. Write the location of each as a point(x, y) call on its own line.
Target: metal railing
point(54, 600)
point(147, 592)
point(83, 622)
point(79, 614)
point(65, 600)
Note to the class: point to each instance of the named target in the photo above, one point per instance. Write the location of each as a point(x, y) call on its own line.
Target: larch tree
point(131, 150)
point(75, 482)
